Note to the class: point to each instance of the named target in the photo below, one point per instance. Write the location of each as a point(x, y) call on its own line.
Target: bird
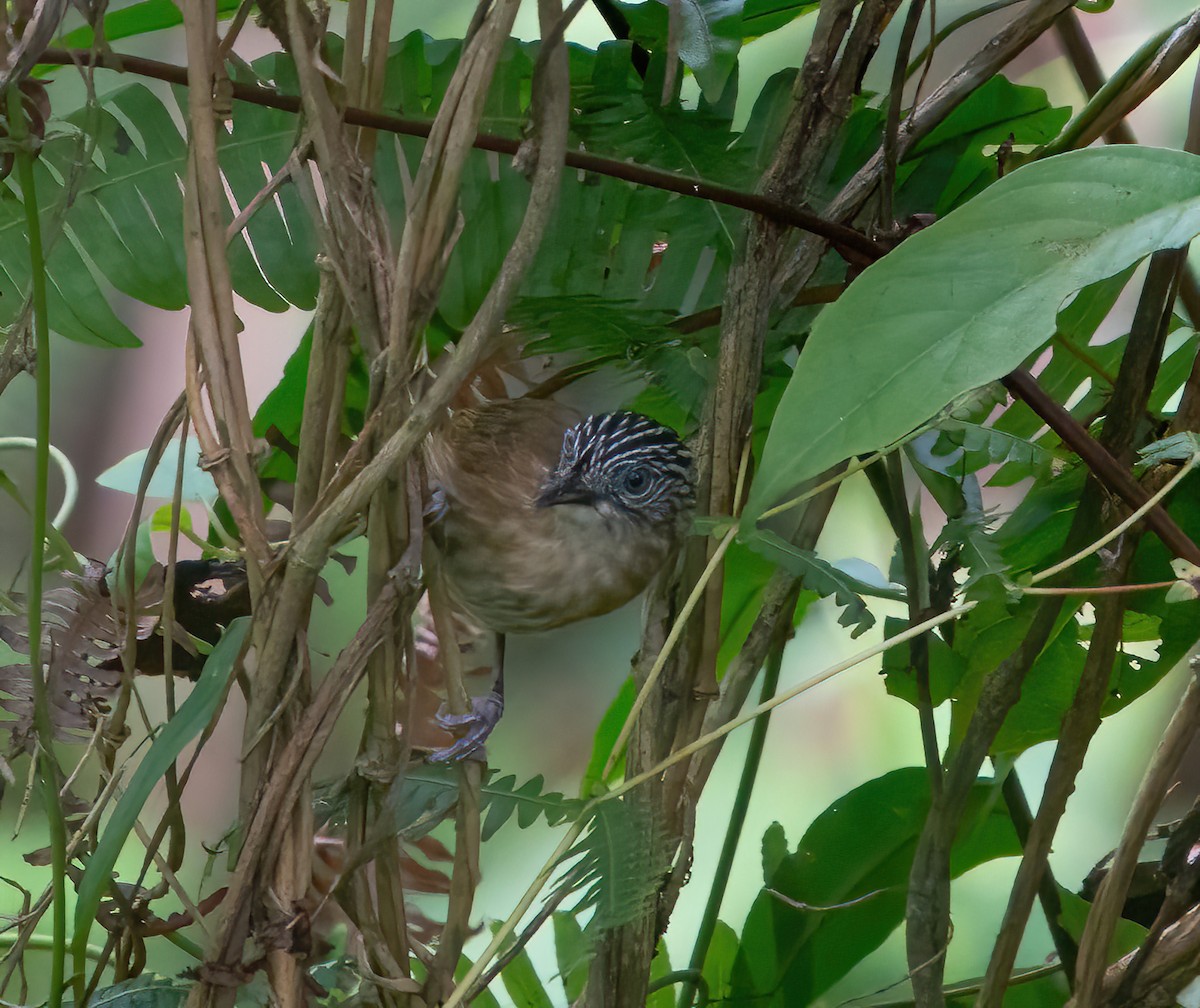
point(539, 518)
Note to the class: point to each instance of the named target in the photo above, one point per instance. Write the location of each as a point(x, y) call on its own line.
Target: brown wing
point(495, 458)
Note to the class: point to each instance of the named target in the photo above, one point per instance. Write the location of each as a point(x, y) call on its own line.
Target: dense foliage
point(917, 283)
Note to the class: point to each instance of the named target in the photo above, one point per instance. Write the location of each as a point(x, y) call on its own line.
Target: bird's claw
point(479, 723)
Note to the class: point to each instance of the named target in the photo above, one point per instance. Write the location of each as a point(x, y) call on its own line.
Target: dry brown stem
point(674, 716)
point(1171, 966)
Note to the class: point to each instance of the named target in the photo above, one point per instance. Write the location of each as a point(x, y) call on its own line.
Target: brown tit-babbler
point(541, 519)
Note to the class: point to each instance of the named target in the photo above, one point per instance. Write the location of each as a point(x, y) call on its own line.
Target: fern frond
point(617, 867)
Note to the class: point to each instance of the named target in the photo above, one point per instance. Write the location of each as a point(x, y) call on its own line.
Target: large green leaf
point(125, 225)
point(964, 301)
point(656, 252)
point(859, 849)
point(138, 19)
point(198, 484)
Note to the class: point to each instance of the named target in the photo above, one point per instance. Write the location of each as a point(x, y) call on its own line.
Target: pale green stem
point(70, 480)
point(769, 705)
point(44, 756)
point(547, 870)
point(514, 918)
point(1133, 519)
point(668, 646)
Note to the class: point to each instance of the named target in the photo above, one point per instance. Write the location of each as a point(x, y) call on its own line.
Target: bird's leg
point(479, 722)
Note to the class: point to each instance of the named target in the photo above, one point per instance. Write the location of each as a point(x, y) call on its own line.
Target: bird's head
point(622, 464)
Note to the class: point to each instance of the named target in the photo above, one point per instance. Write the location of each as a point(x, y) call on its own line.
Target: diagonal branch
point(864, 249)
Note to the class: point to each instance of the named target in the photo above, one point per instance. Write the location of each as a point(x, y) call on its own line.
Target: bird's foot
point(476, 726)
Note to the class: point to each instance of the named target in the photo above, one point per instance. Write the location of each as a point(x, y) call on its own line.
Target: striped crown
point(626, 460)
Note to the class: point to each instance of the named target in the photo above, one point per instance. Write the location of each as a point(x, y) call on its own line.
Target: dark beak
point(569, 492)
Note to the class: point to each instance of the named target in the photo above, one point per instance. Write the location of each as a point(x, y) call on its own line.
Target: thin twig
point(668, 648)
point(1106, 907)
point(1022, 820)
point(1110, 473)
point(887, 184)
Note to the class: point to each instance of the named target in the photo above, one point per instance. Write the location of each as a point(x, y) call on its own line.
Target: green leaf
point(967, 447)
point(1074, 363)
point(965, 539)
point(759, 17)
point(606, 737)
point(1128, 935)
point(612, 866)
point(190, 719)
point(648, 21)
point(284, 404)
point(484, 999)
point(1176, 366)
point(718, 963)
point(935, 317)
point(861, 846)
point(138, 19)
point(957, 160)
point(161, 519)
point(573, 952)
point(712, 37)
point(419, 801)
point(1177, 448)
point(746, 575)
point(198, 485)
point(596, 325)
point(774, 850)
point(146, 991)
point(946, 667)
point(503, 799)
point(827, 579)
point(522, 982)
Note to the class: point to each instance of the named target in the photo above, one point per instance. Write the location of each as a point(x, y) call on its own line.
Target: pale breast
point(574, 564)
point(515, 567)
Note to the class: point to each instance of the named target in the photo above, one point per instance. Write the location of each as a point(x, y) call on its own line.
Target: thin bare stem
point(1106, 908)
point(668, 647)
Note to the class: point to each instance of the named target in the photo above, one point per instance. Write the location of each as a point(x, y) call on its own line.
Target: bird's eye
point(635, 480)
